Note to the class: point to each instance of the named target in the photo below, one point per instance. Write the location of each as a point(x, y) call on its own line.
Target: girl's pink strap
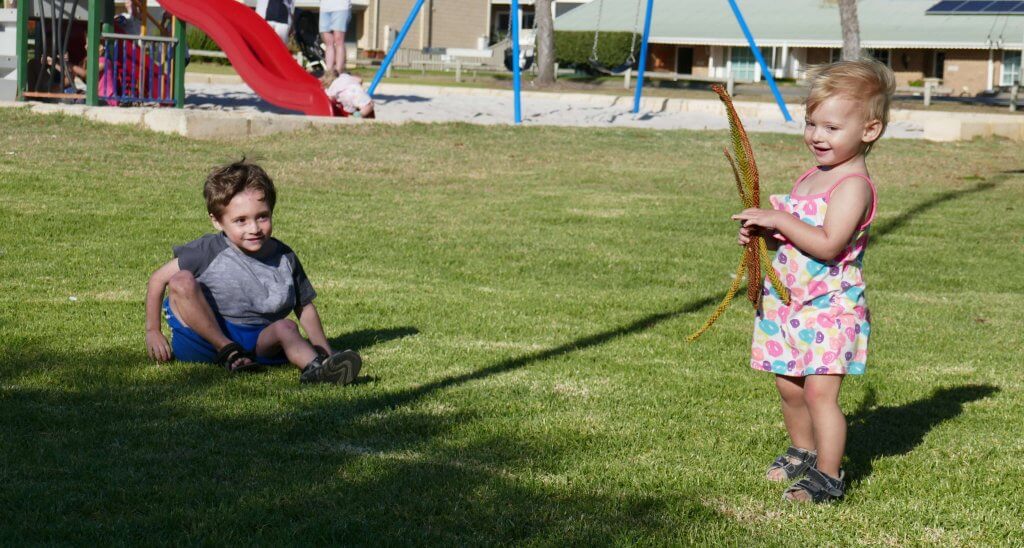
point(801, 178)
point(874, 196)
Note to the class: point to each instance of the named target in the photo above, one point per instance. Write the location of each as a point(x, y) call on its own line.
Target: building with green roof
point(969, 54)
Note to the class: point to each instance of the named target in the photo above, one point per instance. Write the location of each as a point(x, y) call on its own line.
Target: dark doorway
point(684, 60)
point(939, 67)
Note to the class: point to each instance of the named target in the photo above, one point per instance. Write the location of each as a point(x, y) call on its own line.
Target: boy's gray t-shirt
point(247, 289)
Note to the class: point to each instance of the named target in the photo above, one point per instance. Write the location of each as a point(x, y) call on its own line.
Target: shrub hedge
point(574, 48)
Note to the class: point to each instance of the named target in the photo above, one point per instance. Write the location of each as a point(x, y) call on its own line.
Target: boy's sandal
point(231, 355)
point(338, 368)
point(818, 486)
point(794, 463)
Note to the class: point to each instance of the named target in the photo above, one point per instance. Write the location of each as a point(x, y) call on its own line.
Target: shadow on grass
point(511, 364)
point(365, 338)
point(892, 225)
point(877, 432)
point(96, 451)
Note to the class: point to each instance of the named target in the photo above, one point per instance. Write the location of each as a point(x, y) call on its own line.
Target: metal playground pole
point(394, 47)
point(643, 58)
point(516, 75)
point(760, 59)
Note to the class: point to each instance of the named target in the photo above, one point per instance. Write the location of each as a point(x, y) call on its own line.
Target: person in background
point(334, 16)
point(278, 14)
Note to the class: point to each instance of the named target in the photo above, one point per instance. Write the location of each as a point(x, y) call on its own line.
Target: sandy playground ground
point(401, 103)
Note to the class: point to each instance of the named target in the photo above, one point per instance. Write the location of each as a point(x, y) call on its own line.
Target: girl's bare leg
point(821, 393)
point(796, 416)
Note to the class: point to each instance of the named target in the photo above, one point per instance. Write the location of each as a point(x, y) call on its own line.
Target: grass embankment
point(521, 298)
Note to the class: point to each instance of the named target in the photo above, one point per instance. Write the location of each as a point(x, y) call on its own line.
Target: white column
point(785, 61)
point(991, 69)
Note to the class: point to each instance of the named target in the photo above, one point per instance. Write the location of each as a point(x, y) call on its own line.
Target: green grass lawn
point(521, 298)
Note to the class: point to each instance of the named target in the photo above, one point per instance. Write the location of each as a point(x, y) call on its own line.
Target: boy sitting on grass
point(231, 292)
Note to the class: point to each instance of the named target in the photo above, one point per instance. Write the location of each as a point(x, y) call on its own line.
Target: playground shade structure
point(256, 53)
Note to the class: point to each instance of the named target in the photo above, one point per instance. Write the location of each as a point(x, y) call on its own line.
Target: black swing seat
point(614, 70)
point(525, 65)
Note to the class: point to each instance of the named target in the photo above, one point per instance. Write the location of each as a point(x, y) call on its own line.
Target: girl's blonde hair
point(865, 80)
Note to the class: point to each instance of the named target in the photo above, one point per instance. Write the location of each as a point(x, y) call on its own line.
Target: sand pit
point(405, 103)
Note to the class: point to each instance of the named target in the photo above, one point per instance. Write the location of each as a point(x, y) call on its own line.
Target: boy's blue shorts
point(188, 346)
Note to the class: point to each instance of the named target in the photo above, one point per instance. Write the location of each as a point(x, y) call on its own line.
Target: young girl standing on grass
point(821, 230)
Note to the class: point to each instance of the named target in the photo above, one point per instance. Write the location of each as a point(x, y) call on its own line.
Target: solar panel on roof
point(1002, 5)
point(977, 7)
point(974, 5)
point(945, 6)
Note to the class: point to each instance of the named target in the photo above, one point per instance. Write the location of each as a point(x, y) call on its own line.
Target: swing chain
point(597, 29)
point(597, 32)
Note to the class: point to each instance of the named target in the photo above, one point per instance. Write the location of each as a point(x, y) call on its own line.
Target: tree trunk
point(545, 43)
point(851, 29)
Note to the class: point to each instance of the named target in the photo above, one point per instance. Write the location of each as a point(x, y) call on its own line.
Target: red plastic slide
point(256, 52)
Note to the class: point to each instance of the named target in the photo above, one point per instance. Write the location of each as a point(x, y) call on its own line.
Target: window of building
point(500, 23)
point(562, 8)
point(882, 55)
point(744, 65)
point(1011, 68)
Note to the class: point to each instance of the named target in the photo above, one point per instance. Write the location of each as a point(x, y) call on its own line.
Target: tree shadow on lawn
point(511, 364)
point(892, 225)
point(880, 432)
point(902, 219)
point(209, 457)
point(365, 338)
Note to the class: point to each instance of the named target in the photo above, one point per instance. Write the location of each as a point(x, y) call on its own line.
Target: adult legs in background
point(329, 50)
point(339, 51)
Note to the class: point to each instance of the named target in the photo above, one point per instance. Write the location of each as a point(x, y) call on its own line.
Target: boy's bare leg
point(284, 334)
point(190, 306)
point(796, 416)
point(821, 393)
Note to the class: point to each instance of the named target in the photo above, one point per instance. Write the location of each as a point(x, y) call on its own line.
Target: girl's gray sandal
point(820, 487)
point(794, 464)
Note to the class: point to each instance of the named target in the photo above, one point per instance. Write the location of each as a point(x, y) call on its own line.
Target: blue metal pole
point(516, 76)
point(760, 59)
point(643, 58)
point(394, 47)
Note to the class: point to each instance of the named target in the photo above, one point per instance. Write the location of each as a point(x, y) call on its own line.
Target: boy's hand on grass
point(157, 346)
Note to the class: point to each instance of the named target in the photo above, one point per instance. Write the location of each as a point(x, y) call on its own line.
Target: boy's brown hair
point(225, 182)
point(865, 80)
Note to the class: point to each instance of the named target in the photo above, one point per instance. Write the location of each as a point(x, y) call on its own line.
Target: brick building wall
point(966, 71)
point(440, 23)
